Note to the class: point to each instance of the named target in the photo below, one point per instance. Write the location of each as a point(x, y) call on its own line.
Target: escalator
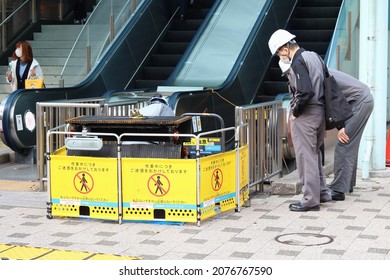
point(155, 33)
point(172, 46)
point(313, 23)
point(252, 77)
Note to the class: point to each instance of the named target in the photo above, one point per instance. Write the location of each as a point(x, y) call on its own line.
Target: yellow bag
point(34, 83)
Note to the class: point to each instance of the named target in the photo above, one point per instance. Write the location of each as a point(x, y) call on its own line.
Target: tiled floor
point(355, 229)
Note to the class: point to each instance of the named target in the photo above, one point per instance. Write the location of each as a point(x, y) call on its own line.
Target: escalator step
point(189, 24)
point(313, 35)
point(149, 83)
point(180, 35)
point(275, 87)
point(316, 12)
point(172, 47)
point(318, 47)
point(320, 3)
point(167, 60)
point(313, 23)
point(157, 73)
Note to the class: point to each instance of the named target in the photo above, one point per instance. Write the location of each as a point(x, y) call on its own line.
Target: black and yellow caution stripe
point(16, 252)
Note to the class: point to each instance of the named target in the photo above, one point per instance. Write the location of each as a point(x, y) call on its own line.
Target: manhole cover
point(304, 239)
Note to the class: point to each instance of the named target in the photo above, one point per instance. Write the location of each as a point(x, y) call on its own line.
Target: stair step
point(51, 44)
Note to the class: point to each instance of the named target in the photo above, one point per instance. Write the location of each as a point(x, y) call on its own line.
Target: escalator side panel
point(134, 42)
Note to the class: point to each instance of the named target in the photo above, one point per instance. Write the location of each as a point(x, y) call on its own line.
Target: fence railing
point(263, 127)
point(266, 123)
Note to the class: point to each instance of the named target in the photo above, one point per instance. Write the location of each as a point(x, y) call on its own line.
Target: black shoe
point(299, 208)
point(339, 196)
point(325, 199)
point(351, 190)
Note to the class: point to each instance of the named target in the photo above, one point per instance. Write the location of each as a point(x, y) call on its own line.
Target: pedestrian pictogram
point(217, 179)
point(159, 185)
point(83, 182)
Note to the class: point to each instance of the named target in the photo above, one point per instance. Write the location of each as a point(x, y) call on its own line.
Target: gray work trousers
point(308, 131)
point(346, 155)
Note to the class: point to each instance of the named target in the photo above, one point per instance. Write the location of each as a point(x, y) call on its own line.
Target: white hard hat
point(278, 39)
point(284, 66)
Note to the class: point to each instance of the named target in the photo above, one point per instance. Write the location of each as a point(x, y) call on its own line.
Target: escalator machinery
point(131, 145)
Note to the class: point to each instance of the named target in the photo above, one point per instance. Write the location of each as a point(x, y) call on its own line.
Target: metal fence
point(266, 123)
point(53, 114)
point(263, 126)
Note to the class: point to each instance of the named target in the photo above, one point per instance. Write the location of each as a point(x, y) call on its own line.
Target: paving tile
point(30, 224)
point(311, 228)
point(333, 252)
point(190, 231)
point(61, 244)
point(335, 210)
point(241, 255)
point(274, 229)
point(354, 228)
point(378, 251)
point(149, 257)
point(196, 241)
point(345, 217)
point(288, 253)
point(33, 217)
point(382, 217)
point(371, 210)
point(233, 217)
point(146, 232)
point(363, 201)
point(107, 243)
point(270, 217)
point(240, 240)
point(366, 236)
point(152, 242)
point(18, 235)
point(308, 217)
point(193, 256)
point(7, 207)
point(104, 233)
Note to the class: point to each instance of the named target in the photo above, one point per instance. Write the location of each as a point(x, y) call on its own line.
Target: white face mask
point(285, 61)
point(18, 52)
point(284, 65)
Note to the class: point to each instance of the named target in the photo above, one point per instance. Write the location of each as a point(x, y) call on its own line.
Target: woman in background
point(23, 66)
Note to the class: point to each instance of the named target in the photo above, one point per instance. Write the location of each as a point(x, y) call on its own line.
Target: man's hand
point(342, 136)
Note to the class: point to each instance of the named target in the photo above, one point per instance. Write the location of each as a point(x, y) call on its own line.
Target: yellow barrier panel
point(217, 184)
point(157, 189)
point(84, 186)
point(244, 175)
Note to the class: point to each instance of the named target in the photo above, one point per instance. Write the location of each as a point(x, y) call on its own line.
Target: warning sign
point(159, 184)
point(217, 179)
point(83, 182)
point(218, 175)
point(157, 181)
